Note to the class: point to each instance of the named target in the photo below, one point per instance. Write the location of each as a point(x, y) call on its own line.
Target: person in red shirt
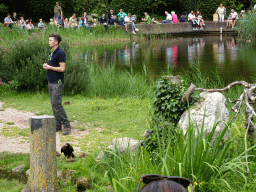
point(174, 17)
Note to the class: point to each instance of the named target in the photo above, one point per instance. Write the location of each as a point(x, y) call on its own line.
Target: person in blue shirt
point(121, 14)
point(110, 15)
point(112, 21)
point(8, 20)
point(55, 72)
point(40, 24)
point(121, 21)
point(80, 22)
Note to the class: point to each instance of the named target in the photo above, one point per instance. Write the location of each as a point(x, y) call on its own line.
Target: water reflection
point(172, 56)
point(232, 49)
point(127, 55)
point(221, 53)
point(195, 50)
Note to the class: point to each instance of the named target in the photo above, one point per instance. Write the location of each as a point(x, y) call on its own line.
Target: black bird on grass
point(67, 149)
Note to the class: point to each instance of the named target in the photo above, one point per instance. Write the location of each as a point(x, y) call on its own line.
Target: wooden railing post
point(43, 164)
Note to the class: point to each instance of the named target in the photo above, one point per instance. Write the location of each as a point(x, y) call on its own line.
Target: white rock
point(212, 107)
point(18, 170)
point(27, 173)
point(121, 144)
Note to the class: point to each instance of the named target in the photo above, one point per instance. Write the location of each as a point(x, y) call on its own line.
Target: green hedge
point(22, 66)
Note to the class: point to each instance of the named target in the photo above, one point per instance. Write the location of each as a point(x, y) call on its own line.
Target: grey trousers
point(61, 118)
point(132, 24)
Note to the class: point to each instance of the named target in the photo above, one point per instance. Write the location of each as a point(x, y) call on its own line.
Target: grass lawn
point(83, 167)
point(105, 119)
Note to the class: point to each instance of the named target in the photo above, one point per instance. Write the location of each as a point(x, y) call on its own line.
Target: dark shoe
point(66, 131)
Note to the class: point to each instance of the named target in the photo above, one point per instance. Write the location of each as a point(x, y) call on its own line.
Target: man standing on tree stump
point(55, 71)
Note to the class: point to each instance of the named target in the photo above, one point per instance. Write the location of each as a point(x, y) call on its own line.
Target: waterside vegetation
point(246, 27)
point(220, 167)
point(108, 103)
point(73, 36)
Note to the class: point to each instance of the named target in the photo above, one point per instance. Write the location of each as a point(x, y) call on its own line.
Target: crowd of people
point(122, 18)
point(196, 19)
point(24, 24)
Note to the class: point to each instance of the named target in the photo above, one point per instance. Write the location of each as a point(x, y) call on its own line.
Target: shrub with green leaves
point(167, 103)
point(167, 109)
point(77, 78)
point(22, 66)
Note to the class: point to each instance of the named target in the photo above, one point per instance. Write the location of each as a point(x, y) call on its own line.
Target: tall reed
point(246, 27)
point(107, 81)
point(208, 166)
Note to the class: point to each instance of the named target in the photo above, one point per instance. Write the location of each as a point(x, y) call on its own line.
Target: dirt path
point(14, 132)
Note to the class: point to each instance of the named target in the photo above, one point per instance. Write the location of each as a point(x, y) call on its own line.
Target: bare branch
point(250, 113)
point(245, 141)
point(247, 102)
point(230, 101)
point(238, 104)
point(244, 83)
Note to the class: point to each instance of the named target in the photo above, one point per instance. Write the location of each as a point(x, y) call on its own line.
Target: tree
point(3, 8)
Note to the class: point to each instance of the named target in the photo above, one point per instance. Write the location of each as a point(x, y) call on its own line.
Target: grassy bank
point(74, 36)
point(221, 168)
point(114, 113)
point(109, 103)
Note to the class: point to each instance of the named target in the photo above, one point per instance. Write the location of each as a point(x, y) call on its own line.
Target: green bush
point(22, 66)
point(167, 103)
point(167, 109)
point(77, 78)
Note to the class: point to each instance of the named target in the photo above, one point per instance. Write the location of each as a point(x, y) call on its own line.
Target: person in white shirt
point(200, 20)
point(192, 18)
point(221, 12)
point(128, 21)
point(234, 18)
point(168, 18)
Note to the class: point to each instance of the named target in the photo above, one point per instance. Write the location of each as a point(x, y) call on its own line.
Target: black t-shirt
point(14, 19)
point(54, 59)
point(110, 16)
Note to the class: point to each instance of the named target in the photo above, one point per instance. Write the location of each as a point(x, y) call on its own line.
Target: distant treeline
point(44, 8)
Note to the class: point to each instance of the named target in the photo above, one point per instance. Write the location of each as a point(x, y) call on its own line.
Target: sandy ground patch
point(20, 119)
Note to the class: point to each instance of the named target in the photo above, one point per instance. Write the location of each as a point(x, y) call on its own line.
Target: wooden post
point(43, 165)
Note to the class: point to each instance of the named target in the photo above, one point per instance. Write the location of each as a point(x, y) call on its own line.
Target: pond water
point(224, 55)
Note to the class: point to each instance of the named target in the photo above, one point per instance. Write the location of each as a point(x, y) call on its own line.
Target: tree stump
point(174, 79)
point(43, 165)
